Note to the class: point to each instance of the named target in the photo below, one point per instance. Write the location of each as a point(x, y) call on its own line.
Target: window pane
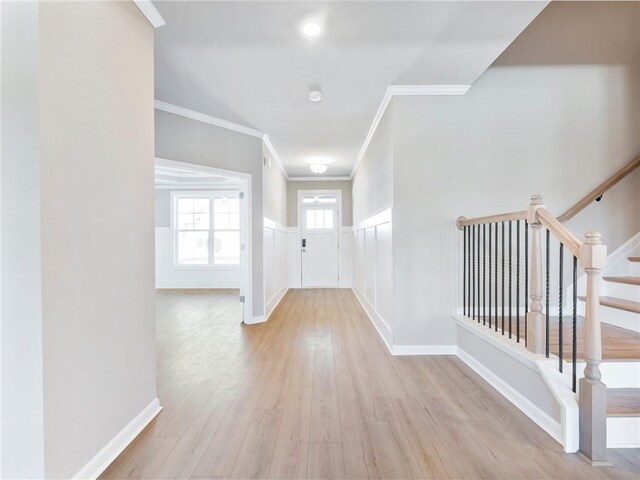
point(185, 205)
point(319, 219)
point(193, 248)
point(201, 205)
point(221, 221)
point(234, 205)
point(201, 221)
point(311, 219)
point(185, 221)
point(221, 205)
point(234, 221)
point(327, 199)
point(226, 248)
point(328, 219)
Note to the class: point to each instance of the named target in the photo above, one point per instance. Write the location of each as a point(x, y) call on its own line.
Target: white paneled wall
point(169, 275)
point(346, 256)
point(373, 271)
point(276, 263)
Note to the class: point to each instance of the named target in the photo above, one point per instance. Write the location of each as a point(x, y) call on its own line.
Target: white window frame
point(211, 196)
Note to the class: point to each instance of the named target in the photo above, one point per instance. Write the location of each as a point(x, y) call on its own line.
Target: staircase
point(620, 306)
point(593, 349)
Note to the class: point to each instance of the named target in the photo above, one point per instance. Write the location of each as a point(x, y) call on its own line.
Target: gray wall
point(96, 156)
point(163, 207)
point(182, 139)
point(22, 439)
point(275, 190)
point(373, 180)
point(292, 198)
point(556, 114)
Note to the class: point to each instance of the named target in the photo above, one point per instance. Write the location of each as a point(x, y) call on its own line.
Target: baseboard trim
point(255, 320)
point(116, 446)
point(401, 350)
point(275, 301)
point(539, 417)
point(623, 432)
point(375, 319)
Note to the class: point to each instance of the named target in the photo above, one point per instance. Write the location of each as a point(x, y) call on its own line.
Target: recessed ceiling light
point(311, 28)
point(318, 168)
point(315, 96)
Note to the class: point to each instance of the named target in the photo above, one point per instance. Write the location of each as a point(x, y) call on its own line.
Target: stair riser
point(623, 432)
point(616, 374)
point(621, 290)
point(620, 318)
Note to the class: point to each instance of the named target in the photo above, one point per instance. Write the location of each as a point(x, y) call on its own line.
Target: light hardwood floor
point(313, 393)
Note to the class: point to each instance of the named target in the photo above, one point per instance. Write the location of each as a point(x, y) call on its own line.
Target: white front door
point(320, 230)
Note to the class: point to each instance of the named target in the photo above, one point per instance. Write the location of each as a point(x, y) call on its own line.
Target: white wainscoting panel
point(276, 264)
point(346, 253)
point(373, 271)
point(169, 275)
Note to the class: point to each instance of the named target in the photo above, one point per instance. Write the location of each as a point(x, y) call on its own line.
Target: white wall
point(21, 373)
point(97, 168)
point(185, 140)
point(556, 114)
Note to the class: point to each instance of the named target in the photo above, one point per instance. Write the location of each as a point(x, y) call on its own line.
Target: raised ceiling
point(247, 63)
point(182, 178)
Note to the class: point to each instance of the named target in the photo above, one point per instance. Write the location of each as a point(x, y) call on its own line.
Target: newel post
point(593, 393)
point(535, 315)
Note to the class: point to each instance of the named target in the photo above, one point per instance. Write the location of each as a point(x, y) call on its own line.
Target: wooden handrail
point(559, 231)
point(502, 217)
point(600, 190)
point(590, 254)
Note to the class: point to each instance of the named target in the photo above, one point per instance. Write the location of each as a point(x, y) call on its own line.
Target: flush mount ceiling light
point(315, 96)
point(319, 160)
point(311, 28)
point(318, 168)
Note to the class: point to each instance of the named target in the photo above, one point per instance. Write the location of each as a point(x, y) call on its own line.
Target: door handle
point(304, 242)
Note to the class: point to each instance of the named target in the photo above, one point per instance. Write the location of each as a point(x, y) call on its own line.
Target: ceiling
point(182, 178)
point(247, 62)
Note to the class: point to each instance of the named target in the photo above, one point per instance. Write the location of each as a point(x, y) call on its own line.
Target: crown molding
point(149, 10)
point(392, 91)
point(274, 154)
point(319, 179)
point(226, 124)
point(204, 118)
point(403, 90)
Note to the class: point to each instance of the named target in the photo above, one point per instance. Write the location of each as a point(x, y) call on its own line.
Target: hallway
point(313, 393)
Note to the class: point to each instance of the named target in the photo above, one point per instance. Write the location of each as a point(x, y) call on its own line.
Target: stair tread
point(623, 402)
point(627, 280)
point(619, 303)
point(634, 259)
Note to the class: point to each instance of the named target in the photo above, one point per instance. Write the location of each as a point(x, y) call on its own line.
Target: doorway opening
point(203, 232)
point(319, 224)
